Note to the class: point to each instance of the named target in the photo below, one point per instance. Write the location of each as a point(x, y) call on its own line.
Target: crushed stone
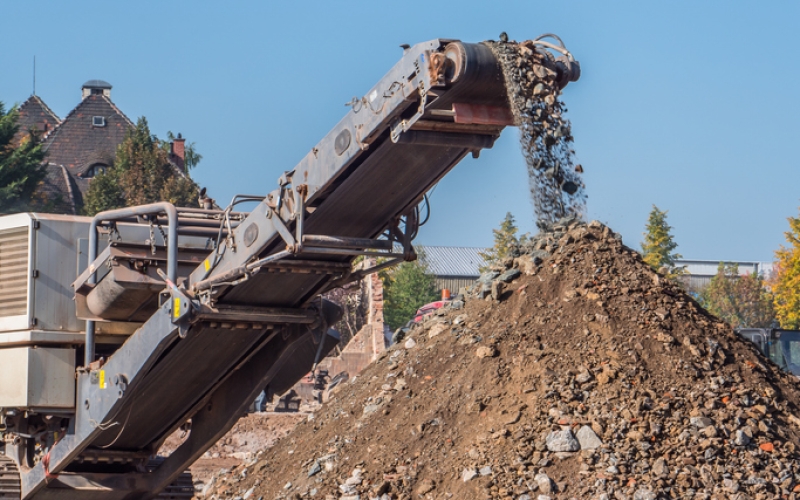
point(654, 397)
point(555, 181)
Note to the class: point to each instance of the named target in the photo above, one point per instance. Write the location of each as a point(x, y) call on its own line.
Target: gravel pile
point(571, 370)
point(556, 184)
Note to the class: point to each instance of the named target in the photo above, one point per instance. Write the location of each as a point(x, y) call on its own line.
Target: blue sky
point(692, 106)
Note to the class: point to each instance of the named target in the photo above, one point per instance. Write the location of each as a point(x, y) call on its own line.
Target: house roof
point(453, 261)
point(35, 114)
point(76, 143)
point(97, 84)
point(57, 192)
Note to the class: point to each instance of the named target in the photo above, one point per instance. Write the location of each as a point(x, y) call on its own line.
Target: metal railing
point(165, 208)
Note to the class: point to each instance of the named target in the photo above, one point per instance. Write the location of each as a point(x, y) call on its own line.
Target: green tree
point(104, 193)
point(741, 301)
point(505, 239)
point(21, 166)
point(659, 244)
point(405, 288)
point(786, 280)
point(190, 155)
point(142, 173)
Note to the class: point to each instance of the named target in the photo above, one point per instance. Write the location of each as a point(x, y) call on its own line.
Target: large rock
point(588, 439)
point(509, 275)
point(562, 440)
point(660, 468)
point(436, 330)
point(487, 277)
point(544, 482)
point(644, 494)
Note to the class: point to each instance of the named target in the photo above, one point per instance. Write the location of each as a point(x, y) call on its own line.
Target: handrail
point(122, 213)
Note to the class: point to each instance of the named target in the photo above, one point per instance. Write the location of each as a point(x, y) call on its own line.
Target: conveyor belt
point(249, 317)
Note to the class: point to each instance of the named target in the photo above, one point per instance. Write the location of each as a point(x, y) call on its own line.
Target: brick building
point(80, 146)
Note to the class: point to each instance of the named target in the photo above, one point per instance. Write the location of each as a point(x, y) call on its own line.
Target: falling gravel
point(532, 81)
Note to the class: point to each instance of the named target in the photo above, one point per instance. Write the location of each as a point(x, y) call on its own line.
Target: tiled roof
point(76, 142)
point(452, 261)
point(35, 114)
point(57, 192)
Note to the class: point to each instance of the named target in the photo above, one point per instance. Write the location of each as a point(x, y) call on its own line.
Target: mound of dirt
point(570, 371)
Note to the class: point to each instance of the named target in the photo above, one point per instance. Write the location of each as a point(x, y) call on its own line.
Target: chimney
point(177, 148)
point(93, 87)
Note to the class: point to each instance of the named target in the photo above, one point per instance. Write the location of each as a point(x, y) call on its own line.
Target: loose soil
point(572, 371)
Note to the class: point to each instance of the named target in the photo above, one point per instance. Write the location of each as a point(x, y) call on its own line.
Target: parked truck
point(118, 330)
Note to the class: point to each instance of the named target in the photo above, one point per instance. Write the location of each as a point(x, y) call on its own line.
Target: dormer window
point(95, 170)
point(98, 121)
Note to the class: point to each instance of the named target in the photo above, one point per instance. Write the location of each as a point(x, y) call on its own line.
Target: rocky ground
point(252, 434)
point(570, 371)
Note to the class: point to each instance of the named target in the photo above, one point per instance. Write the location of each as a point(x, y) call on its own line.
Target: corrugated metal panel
point(453, 261)
point(453, 284)
point(14, 271)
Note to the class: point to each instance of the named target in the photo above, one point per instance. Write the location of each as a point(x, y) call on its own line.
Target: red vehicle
point(430, 307)
point(427, 309)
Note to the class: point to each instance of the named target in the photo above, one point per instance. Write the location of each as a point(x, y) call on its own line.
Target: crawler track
point(9, 479)
point(180, 488)
point(183, 487)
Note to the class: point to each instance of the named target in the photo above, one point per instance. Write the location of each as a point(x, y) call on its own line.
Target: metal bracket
point(181, 306)
point(402, 126)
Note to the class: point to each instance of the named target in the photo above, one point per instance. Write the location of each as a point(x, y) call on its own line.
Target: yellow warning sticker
point(207, 264)
point(102, 379)
point(176, 307)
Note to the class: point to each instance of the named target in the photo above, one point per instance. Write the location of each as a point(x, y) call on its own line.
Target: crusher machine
point(119, 330)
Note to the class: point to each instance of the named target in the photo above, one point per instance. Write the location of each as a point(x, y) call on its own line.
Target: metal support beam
point(113, 215)
point(231, 399)
point(98, 403)
point(313, 240)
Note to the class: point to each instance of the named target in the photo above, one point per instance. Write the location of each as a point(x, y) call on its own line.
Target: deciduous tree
point(741, 301)
point(659, 244)
point(142, 173)
point(786, 280)
point(21, 166)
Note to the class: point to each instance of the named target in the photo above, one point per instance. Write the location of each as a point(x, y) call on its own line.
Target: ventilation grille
point(14, 271)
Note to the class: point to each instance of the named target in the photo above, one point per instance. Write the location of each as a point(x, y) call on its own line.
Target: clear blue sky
point(692, 106)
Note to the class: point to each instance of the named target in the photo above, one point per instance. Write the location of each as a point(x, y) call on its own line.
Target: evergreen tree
point(741, 301)
point(658, 245)
point(505, 240)
point(21, 166)
point(406, 288)
point(142, 173)
point(786, 280)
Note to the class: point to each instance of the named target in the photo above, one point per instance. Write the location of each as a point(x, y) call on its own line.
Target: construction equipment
point(182, 316)
point(782, 347)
